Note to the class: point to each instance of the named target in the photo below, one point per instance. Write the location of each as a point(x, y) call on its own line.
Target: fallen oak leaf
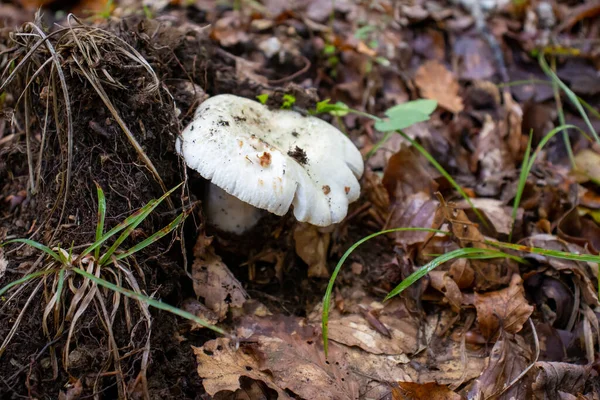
point(220, 366)
point(505, 309)
point(437, 83)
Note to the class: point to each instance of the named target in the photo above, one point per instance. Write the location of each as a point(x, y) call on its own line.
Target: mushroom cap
point(273, 159)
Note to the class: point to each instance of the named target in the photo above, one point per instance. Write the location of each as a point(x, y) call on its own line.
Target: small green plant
point(288, 101)
point(96, 266)
point(263, 98)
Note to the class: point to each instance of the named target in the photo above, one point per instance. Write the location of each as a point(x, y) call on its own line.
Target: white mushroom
point(271, 160)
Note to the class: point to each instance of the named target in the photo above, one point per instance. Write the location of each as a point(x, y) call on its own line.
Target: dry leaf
point(437, 83)
point(554, 380)
point(410, 187)
point(193, 306)
point(495, 211)
point(443, 282)
point(508, 358)
point(425, 391)
point(220, 366)
point(215, 283)
point(507, 309)
point(311, 244)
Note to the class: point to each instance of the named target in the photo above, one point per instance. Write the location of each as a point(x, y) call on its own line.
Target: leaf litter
point(472, 328)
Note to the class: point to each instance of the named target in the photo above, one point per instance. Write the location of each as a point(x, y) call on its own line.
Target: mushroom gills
point(228, 213)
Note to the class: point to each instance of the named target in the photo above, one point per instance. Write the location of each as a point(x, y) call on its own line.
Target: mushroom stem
point(228, 213)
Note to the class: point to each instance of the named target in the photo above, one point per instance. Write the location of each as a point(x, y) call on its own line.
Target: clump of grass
point(98, 265)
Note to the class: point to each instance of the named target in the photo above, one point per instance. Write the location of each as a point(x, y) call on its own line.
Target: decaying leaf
point(424, 391)
point(312, 243)
point(437, 83)
point(443, 282)
point(557, 380)
point(193, 306)
point(221, 366)
point(410, 187)
point(508, 358)
point(215, 283)
point(400, 333)
point(489, 274)
point(580, 230)
point(506, 308)
point(498, 214)
point(582, 273)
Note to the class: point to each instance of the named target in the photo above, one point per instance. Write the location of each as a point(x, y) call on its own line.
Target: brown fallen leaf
point(311, 244)
point(497, 213)
point(410, 187)
point(443, 282)
point(489, 274)
point(508, 358)
point(582, 273)
point(437, 83)
point(193, 306)
point(505, 309)
point(215, 283)
point(556, 380)
point(402, 335)
point(580, 230)
point(220, 366)
point(424, 391)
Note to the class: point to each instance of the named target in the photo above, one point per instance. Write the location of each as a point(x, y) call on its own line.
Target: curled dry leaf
point(489, 274)
point(582, 273)
point(443, 282)
point(580, 230)
point(193, 306)
point(311, 244)
point(215, 283)
point(508, 358)
point(423, 391)
point(400, 333)
point(506, 308)
point(498, 214)
point(556, 380)
point(437, 83)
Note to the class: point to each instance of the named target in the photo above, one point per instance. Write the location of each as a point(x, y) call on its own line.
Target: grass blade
point(155, 237)
point(338, 267)
point(101, 217)
point(469, 252)
point(154, 303)
point(549, 253)
point(25, 279)
point(141, 217)
point(521, 185)
point(572, 96)
point(38, 246)
point(122, 225)
point(445, 174)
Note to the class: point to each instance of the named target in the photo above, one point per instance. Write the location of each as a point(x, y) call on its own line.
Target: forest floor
point(498, 299)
